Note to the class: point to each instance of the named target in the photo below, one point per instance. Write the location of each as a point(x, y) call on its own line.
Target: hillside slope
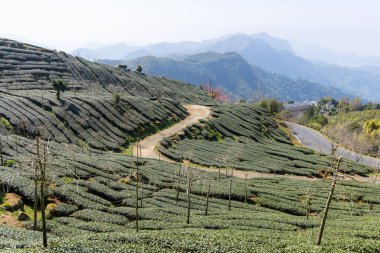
point(87, 121)
point(26, 67)
point(104, 107)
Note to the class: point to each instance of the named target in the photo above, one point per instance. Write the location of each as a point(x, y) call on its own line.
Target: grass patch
point(127, 151)
point(9, 163)
point(67, 180)
point(29, 210)
point(6, 123)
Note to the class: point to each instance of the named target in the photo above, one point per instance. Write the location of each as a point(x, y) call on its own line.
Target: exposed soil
point(149, 144)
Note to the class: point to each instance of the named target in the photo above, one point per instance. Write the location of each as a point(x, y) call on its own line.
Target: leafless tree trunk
point(190, 177)
point(219, 173)
point(35, 197)
point(230, 190)
point(16, 145)
point(331, 193)
point(207, 196)
point(179, 179)
point(137, 189)
point(42, 166)
point(1, 151)
point(246, 189)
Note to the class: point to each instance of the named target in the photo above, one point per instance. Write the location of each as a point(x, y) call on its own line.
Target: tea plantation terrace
point(70, 153)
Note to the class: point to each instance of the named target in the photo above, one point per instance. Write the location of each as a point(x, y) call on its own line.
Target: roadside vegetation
point(358, 131)
point(349, 123)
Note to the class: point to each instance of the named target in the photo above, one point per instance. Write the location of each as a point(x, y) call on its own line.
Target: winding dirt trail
point(149, 144)
point(196, 113)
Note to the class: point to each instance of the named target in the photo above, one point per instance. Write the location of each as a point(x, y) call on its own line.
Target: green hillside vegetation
point(357, 131)
point(61, 156)
point(233, 73)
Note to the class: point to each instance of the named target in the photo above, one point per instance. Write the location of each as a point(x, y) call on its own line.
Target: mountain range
point(261, 50)
point(234, 74)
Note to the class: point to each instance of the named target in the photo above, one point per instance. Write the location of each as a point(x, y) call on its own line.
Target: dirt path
point(149, 144)
point(252, 174)
point(196, 113)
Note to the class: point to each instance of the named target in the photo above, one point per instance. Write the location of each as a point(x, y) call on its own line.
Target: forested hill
point(234, 74)
point(27, 67)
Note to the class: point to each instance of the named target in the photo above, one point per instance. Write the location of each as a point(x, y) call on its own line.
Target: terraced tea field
point(27, 67)
point(93, 196)
point(244, 137)
point(92, 121)
point(69, 154)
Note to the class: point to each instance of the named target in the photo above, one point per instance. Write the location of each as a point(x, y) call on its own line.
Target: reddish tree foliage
point(216, 93)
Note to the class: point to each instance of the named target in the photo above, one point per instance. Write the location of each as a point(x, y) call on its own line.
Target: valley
point(97, 158)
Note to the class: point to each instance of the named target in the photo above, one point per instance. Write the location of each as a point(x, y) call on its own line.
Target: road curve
point(149, 144)
point(314, 140)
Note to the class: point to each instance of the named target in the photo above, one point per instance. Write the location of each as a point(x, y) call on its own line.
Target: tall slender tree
point(329, 198)
point(189, 184)
point(42, 169)
point(208, 194)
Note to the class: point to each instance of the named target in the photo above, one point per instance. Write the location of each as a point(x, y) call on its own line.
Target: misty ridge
point(267, 55)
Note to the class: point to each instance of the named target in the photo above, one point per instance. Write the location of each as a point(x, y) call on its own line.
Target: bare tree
point(35, 179)
point(137, 189)
point(329, 198)
point(179, 178)
point(246, 188)
point(189, 184)
point(1, 150)
point(208, 194)
point(230, 189)
point(41, 158)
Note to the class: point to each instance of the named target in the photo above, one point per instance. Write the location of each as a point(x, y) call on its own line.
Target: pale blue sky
point(351, 26)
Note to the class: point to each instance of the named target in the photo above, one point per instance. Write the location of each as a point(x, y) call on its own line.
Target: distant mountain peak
point(234, 74)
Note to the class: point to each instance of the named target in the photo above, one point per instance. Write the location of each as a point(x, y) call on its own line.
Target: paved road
point(314, 140)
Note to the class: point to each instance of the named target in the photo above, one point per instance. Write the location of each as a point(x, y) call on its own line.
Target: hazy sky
point(351, 26)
